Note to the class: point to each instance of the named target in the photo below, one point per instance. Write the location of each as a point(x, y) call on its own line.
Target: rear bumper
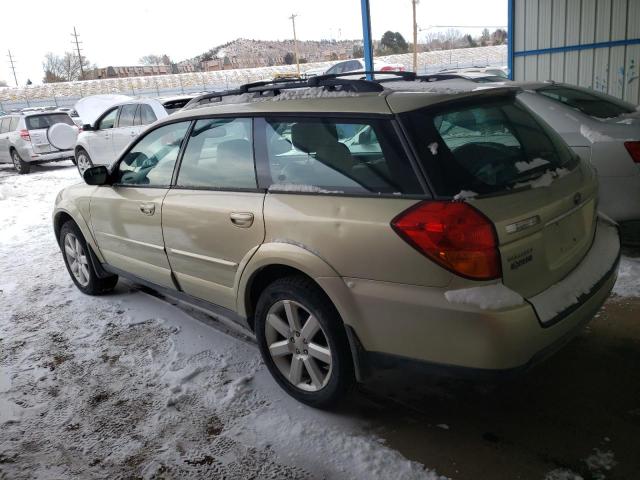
point(398, 324)
point(620, 197)
point(28, 155)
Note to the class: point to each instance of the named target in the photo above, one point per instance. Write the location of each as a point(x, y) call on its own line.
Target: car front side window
point(109, 120)
point(151, 160)
point(219, 154)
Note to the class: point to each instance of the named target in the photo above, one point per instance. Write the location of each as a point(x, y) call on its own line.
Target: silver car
point(24, 139)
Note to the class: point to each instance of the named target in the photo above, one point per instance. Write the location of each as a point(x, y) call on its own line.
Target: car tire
point(82, 161)
point(75, 252)
point(20, 165)
point(311, 361)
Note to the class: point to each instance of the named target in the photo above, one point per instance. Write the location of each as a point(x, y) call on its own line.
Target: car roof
point(401, 98)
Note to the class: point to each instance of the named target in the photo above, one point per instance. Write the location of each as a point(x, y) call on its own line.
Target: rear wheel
point(20, 165)
point(83, 161)
point(76, 258)
point(303, 342)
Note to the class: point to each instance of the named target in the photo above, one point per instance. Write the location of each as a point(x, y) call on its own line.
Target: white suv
point(100, 143)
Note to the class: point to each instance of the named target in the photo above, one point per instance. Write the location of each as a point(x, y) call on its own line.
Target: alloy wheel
point(298, 345)
point(16, 161)
point(77, 259)
point(83, 162)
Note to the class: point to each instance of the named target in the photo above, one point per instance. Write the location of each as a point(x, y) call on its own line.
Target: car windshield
point(35, 122)
point(593, 103)
point(485, 146)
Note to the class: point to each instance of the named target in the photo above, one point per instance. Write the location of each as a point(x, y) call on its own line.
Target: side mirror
point(87, 127)
point(96, 175)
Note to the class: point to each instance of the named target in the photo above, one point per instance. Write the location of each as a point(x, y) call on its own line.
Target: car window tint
point(146, 114)
point(108, 120)
point(590, 103)
point(4, 124)
point(127, 115)
point(338, 156)
point(35, 122)
point(14, 124)
point(485, 147)
point(151, 160)
point(219, 154)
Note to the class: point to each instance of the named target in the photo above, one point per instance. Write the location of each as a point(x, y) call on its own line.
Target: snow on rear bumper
point(563, 298)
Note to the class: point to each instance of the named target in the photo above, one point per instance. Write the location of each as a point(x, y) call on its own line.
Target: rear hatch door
point(38, 125)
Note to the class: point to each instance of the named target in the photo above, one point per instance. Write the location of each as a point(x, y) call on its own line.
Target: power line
point(13, 67)
point(75, 36)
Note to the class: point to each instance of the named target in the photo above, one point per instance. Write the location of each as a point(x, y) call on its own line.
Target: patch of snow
point(593, 135)
point(562, 474)
point(544, 180)
point(626, 121)
point(295, 187)
point(628, 284)
point(312, 92)
point(129, 385)
point(464, 194)
point(443, 426)
point(486, 297)
point(600, 460)
point(535, 163)
point(433, 148)
point(581, 280)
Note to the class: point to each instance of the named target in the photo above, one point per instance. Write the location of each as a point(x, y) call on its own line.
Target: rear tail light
point(454, 235)
point(389, 68)
point(24, 134)
point(634, 150)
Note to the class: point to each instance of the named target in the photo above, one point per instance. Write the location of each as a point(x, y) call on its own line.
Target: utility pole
point(13, 67)
point(415, 36)
point(295, 41)
point(75, 36)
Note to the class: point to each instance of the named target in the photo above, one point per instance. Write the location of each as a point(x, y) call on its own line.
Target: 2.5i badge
point(520, 259)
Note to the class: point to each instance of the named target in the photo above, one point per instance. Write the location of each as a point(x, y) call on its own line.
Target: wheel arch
point(62, 215)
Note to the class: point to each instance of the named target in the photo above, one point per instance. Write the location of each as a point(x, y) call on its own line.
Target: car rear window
point(592, 104)
point(35, 122)
point(336, 156)
point(485, 146)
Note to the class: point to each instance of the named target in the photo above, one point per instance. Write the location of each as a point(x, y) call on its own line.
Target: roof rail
point(274, 87)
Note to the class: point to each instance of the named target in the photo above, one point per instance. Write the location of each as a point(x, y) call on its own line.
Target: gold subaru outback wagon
point(354, 224)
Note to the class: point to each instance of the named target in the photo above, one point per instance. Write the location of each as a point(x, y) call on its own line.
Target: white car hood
point(90, 108)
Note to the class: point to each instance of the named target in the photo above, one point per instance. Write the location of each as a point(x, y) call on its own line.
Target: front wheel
point(20, 165)
point(83, 161)
point(76, 258)
point(303, 342)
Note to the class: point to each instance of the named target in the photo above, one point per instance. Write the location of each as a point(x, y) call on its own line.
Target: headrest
point(310, 137)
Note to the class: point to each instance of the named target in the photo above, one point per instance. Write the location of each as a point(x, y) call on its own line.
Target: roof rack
point(332, 82)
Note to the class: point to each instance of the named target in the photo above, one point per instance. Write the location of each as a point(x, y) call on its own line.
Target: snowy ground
point(128, 384)
point(131, 385)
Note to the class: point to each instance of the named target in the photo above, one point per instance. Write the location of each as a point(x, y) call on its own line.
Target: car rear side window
point(151, 160)
point(35, 122)
point(13, 126)
point(127, 115)
point(219, 154)
point(484, 146)
point(592, 104)
point(147, 115)
point(336, 156)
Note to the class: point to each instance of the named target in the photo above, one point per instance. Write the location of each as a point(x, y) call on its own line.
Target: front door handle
point(241, 219)
point(148, 208)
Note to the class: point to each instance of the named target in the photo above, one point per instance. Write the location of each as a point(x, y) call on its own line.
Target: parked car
point(604, 131)
point(24, 139)
point(492, 71)
point(176, 102)
point(357, 65)
point(101, 141)
point(467, 240)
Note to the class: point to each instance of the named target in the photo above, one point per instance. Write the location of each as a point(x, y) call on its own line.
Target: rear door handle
point(241, 219)
point(148, 208)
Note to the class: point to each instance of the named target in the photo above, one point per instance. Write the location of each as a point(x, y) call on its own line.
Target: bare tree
point(64, 68)
point(153, 59)
point(3, 83)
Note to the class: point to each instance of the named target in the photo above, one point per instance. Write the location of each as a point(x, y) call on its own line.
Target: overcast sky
point(119, 32)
